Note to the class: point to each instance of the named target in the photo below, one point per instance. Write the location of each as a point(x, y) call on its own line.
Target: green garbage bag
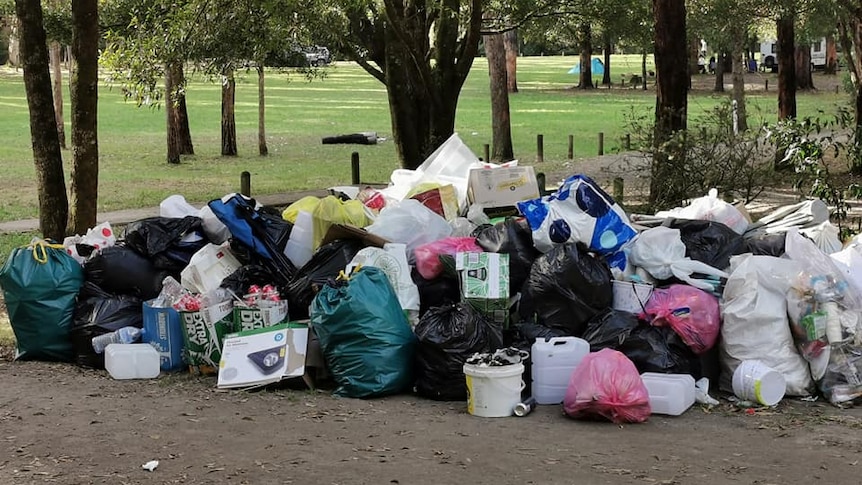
point(40, 283)
point(364, 335)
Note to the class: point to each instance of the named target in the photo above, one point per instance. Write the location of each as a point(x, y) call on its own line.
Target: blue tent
point(596, 66)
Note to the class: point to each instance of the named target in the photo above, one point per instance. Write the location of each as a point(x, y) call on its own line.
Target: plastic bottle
point(125, 335)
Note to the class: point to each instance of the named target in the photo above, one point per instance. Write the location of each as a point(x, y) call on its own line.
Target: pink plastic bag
point(607, 384)
point(691, 313)
point(428, 255)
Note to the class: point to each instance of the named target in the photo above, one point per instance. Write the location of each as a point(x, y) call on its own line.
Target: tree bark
point(671, 60)
point(51, 185)
point(693, 56)
point(831, 56)
point(57, 84)
point(643, 70)
point(501, 127)
point(262, 149)
point(171, 120)
point(786, 68)
point(719, 73)
point(803, 67)
point(228, 121)
point(511, 42)
point(848, 31)
point(84, 190)
point(184, 134)
point(586, 80)
point(606, 49)
point(738, 72)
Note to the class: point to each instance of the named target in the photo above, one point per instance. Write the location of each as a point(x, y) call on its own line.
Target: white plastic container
point(493, 391)
point(132, 361)
point(299, 248)
point(755, 381)
point(669, 394)
point(630, 296)
point(553, 363)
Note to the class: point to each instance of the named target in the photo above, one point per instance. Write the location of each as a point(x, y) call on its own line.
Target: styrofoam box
point(669, 394)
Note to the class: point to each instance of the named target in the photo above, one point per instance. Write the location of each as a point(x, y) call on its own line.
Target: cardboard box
point(203, 341)
point(484, 279)
point(264, 356)
point(163, 330)
point(502, 187)
point(246, 318)
point(346, 231)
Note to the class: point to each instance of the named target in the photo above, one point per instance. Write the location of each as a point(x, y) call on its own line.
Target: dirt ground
point(66, 425)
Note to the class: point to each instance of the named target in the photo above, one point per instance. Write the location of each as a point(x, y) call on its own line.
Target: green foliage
point(811, 146)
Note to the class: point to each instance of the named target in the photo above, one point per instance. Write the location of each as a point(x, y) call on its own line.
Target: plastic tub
point(493, 391)
point(670, 394)
point(755, 381)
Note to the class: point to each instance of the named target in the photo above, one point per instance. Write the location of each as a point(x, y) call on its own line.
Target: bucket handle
point(637, 295)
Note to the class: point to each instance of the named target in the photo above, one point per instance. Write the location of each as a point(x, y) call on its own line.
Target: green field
point(133, 172)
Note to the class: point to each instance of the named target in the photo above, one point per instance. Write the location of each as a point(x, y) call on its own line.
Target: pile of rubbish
point(460, 281)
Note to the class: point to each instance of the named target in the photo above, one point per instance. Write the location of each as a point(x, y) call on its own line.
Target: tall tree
point(511, 41)
point(501, 127)
point(422, 51)
point(58, 28)
point(228, 117)
point(51, 185)
point(786, 66)
point(671, 93)
point(57, 85)
point(585, 38)
point(84, 190)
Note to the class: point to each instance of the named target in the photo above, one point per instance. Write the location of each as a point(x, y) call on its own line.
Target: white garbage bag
point(661, 252)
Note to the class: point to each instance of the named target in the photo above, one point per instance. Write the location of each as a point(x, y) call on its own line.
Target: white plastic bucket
point(493, 391)
point(630, 296)
point(755, 381)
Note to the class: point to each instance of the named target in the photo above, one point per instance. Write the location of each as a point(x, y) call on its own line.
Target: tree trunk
point(831, 56)
point(57, 80)
point(228, 121)
point(719, 74)
point(606, 49)
point(84, 190)
point(501, 128)
point(51, 185)
point(847, 32)
point(693, 56)
point(786, 68)
point(802, 55)
point(643, 70)
point(738, 70)
point(184, 134)
point(261, 113)
point(171, 120)
point(511, 42)
point(671, 60)
point(585, 32)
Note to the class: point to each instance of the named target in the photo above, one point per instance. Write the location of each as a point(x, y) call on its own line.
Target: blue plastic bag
point(364, 335)
point(580, 211)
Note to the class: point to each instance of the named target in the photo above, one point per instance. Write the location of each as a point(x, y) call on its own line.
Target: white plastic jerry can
point(553, 363)
point(132, 361)
point(670, 394)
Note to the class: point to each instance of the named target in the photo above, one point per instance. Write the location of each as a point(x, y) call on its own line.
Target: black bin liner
point(709, 242)
point(566, 288)
point(99, 312)
point(440, 291)
point(515, 238)
point(120, 270)
point(328, 261)
point(160, 239)
point(448, 336)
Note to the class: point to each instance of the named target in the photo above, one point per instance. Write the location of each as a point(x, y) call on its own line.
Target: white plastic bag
point(215, 229)
point(208, 267)
point(825, 236)
point(176, 207)
point(661, 252)
point(754, 309)
point(849, 261)
point(99, 237)
point(710, 208)
point(410, 223)
point(392, 259)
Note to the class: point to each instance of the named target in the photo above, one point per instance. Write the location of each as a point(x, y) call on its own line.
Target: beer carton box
point(484, 280)
point(203, 340)
point(251, 318)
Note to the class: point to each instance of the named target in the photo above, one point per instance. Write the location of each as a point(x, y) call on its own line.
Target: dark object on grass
point(364, 138)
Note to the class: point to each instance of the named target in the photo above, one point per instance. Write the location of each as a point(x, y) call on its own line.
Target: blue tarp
point(596, 66)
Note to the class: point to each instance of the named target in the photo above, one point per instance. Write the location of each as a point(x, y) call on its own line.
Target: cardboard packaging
point(484, 279)
point(264, 356)
point(249, 318)
point(502, 187)
point(203, 341)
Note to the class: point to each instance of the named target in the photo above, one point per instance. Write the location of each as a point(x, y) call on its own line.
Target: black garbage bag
point(99, 312)
point(119, 270)
point(566, 288)
point(766, 245)
point(652, 349)
point(515, 238)
point(329, 260)
point(448, 336)
point(160, 239)
point(526, 333)
point(440, 291)
point(251, 274)
point(709, 242)
point(277, 229)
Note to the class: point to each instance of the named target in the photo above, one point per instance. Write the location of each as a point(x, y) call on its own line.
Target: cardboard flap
point(345, 231)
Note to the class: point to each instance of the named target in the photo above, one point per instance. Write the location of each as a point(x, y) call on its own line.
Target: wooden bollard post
point(487, 151)
point(836, 89)
point(541, 181)
point(245, 184)
point(628, 141)
point(766, 84)
point(619, 189)
point(571, 147)
point(601, 143)
point(540, 148)
point(354, 168)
